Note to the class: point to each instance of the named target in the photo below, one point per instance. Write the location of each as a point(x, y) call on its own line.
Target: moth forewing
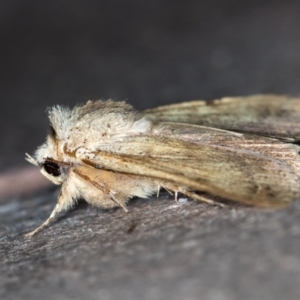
point(268, 115)
point(107, 153)
point(243, 168)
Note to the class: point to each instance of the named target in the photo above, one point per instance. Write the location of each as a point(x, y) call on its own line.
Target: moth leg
point(114, 199)
point(190, 194)
point(200, 198)
point(64, 201)
point(176, 196)
point(57, 209)
point(158, 190)
point(102, 187)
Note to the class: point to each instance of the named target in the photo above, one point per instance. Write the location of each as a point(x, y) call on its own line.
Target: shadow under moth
point(245, 149)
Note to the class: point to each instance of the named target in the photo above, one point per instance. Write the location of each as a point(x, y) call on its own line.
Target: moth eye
point(52, 168)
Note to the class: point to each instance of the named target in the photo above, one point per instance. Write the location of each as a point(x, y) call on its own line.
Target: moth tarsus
point(244, 149)
point(158, 191)
point(176, 196)
point(51, 218)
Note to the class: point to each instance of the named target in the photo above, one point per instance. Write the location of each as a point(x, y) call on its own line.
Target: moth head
point(50, 168)
point(44, 158)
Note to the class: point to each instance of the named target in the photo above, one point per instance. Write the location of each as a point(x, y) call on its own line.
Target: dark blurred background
point(147, 52)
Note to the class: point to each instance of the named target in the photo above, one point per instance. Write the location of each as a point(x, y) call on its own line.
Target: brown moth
point(244, 149)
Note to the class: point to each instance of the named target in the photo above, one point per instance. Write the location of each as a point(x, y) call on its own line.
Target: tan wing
point(268, 115)
point(243, 168)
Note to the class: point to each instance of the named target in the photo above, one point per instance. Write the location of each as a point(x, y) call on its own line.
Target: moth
point(245, 149)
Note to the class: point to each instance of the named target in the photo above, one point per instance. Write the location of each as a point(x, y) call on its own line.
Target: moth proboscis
point(244, 149)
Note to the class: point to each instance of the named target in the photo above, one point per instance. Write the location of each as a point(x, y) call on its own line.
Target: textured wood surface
point(160, 250)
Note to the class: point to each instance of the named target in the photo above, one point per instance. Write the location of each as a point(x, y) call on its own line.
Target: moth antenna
point(31, 159)
point(57, 209)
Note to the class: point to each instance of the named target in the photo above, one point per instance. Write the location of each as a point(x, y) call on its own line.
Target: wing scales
point(218, 162)
point(267, 115)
